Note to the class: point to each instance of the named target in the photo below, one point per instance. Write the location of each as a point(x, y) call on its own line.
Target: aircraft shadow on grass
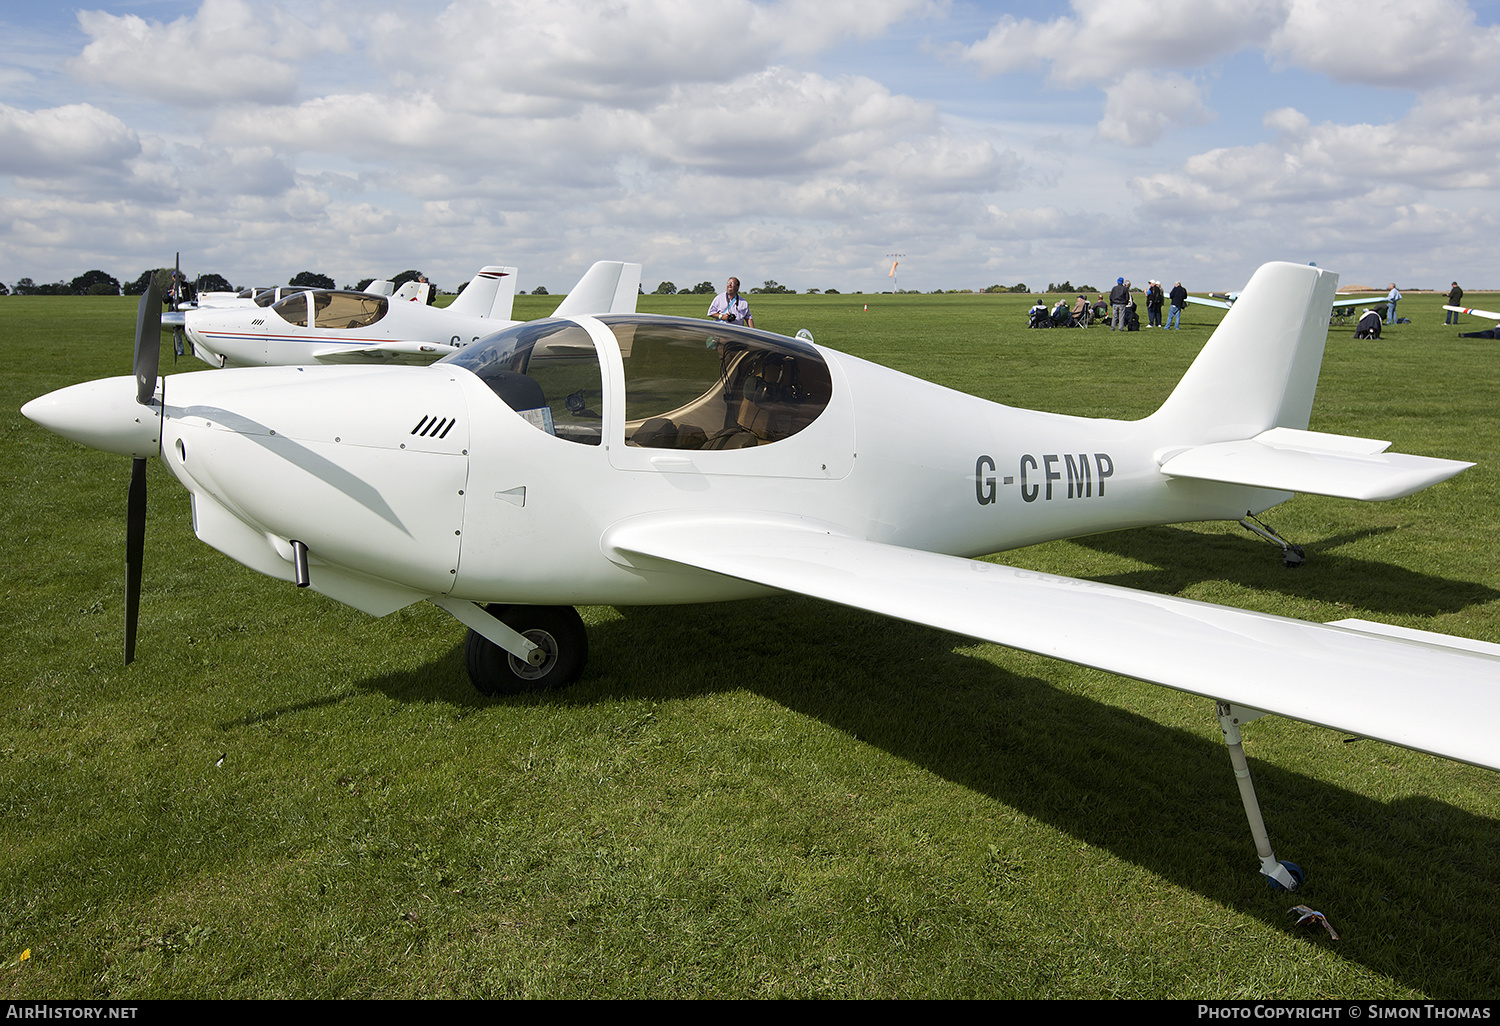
point(1146, 792)
point(1328, 577)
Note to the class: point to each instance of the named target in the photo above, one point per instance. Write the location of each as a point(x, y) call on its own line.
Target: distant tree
point(163, 276)
point(772, 288)
point(312, 280)
point(812, 292)
point(94, 283)
point(705, 288)
point(25, 286)
point(213, 283)
point(3, 290)
point(666, 288)
point(830, 292)
point(363, 284)
point(540, 290)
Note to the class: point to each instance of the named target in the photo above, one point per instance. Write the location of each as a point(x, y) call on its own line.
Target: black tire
point(558, 630)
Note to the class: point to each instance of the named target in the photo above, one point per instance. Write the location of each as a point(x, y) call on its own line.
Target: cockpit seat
point(518, 391)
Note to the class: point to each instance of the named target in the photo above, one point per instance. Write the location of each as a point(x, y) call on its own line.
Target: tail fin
point(491, 293)
point(413, 292)
point(608, 287)
point(1239, 415)
point(1260, 367)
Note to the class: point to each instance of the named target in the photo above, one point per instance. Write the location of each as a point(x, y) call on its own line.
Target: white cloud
point(228, 51)
point(1141, 106)
point(625, 53)
point(1105, 39)
point(1388, 43)
point(60, 140)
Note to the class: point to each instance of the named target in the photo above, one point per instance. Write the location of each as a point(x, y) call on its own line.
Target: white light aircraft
point(343, 326)
point(635, 459)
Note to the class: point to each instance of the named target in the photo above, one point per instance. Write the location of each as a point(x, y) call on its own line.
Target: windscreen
point(547, 371)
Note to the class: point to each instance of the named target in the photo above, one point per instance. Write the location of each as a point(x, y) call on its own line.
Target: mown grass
point(283, 797)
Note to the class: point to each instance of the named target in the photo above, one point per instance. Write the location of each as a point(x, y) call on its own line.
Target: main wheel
point(557, 630)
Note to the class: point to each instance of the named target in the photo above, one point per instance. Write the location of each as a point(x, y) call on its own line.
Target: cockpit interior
point(689, 384)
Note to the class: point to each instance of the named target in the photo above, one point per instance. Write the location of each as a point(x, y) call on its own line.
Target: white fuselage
point(409, 482)
point(255, 336)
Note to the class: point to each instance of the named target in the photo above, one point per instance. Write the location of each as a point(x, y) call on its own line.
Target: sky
point(807, 142)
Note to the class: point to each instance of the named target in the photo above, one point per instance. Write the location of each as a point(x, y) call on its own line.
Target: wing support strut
point(1285, 875)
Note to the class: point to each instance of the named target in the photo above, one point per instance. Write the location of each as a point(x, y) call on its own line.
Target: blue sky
point(801, 142)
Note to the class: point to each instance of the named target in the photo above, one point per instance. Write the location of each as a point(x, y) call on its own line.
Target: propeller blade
point(135, 547)
point(147, 343)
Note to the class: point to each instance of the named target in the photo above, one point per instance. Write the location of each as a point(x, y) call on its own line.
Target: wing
point(1221, 304)
point(417, 353)
point(1411, 688)
point(1359, 301)
point(1290, 460)
point(1455, 309)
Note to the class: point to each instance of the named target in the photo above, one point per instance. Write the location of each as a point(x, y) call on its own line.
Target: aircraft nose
point(101, 414)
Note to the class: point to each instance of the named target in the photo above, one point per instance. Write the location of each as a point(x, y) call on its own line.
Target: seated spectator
point(1082, 312)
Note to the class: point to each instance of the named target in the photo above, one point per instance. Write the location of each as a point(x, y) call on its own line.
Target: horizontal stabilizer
point(409, 353)
point(1440, 698)
point(1290, 460)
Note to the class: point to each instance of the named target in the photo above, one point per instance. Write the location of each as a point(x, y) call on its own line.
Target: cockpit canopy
point(689, 384)
point(332, 309)
point(265, 297)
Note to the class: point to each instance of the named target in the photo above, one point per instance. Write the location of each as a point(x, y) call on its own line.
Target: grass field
point(285, 798)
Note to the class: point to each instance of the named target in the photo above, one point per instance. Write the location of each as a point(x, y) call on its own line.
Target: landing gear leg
point(1279, 875)
point(1292, 556)
point(514, 649)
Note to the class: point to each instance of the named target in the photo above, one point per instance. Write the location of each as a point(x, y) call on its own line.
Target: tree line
point(99, 283)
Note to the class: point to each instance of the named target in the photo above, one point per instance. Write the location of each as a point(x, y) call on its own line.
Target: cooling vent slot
point(434, 427)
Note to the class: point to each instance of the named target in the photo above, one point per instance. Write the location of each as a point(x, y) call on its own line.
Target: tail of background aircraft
point(608, 287)
point(413, 292)
point(1260, 368)
point(490, 293)
point(1240, 413)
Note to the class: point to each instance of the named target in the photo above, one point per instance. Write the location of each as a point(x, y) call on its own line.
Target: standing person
point(1154, 299)
point(731, 306)
point(1119, 299)
point(1179, 300)
point(1390, 304)
point(1455, 298)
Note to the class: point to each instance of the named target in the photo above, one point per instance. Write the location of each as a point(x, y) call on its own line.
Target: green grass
point(285, 798)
